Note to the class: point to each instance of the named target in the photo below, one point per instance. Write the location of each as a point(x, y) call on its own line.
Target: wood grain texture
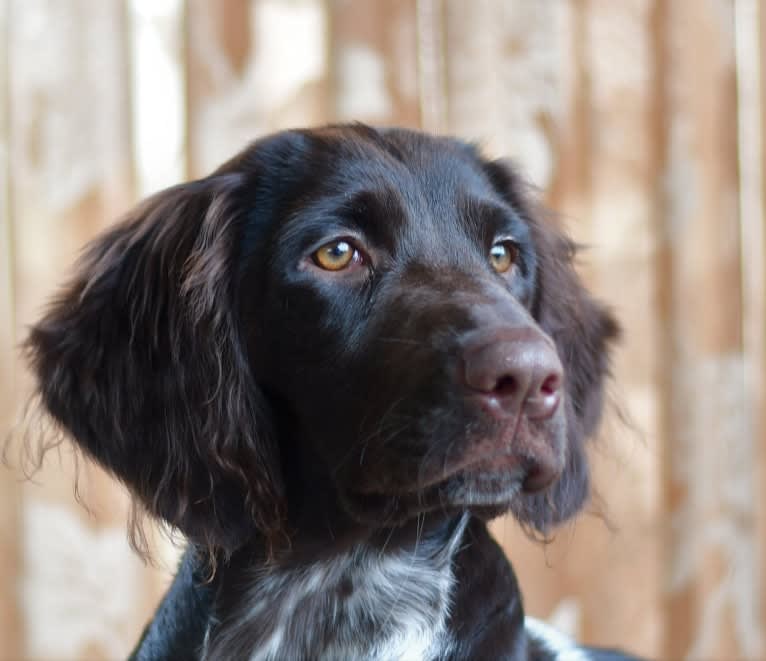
point(711, 597)
point(374, 61)
point(273, 74)
point(11, 620)
point(750, 22)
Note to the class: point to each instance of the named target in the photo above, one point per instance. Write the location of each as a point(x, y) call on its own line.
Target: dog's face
point(382, 312)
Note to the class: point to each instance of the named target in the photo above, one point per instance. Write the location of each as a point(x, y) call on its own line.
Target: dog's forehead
point(432, 165)
point(428, 179)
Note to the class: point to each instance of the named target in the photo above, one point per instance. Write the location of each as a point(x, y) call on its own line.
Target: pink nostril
point(551, 384)
point(543, 403)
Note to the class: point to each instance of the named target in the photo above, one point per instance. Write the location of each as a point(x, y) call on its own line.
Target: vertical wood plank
point(758, 301)
point(374, 61)
point(70, 175)
point(620, 184)
point(503, 78)
point(11, 622)
point(156, 32)
point(750, 29)
point(712, 604)
point(253, 67)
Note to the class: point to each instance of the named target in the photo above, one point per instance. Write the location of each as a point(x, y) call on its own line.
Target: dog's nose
point(514, 370)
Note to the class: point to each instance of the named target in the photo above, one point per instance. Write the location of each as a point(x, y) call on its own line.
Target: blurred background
point(641, 121)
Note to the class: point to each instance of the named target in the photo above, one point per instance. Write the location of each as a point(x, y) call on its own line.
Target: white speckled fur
point(397, 609)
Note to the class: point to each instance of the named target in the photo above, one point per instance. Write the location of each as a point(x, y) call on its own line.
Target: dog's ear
point(583, 330)
point(140, 359)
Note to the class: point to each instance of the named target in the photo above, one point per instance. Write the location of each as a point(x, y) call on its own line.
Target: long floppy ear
point(583, 330)
point(140, 359)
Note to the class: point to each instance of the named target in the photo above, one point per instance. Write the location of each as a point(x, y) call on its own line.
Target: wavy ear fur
point(583, 330)
point(140, 359)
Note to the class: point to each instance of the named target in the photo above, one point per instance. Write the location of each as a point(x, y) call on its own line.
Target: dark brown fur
point(252, 403)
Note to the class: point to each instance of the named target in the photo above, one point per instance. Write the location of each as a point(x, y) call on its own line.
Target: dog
point(328, 364)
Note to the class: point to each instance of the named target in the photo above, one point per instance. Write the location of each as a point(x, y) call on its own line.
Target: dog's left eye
point(503, 255)
point(336, 255)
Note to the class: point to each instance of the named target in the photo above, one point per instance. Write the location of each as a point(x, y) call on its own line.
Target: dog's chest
point(361, 605)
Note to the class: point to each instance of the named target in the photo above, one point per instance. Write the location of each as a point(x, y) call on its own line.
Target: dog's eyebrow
point(487, 207)
point(375, 213)
point(378, 213)
point(487, 217)
point(372, 207)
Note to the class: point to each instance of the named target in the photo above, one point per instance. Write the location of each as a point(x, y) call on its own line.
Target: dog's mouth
point(485, 480)
point(487, 493)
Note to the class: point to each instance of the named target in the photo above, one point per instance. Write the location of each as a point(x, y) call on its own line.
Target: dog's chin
point(484, 494)
point(487, 479)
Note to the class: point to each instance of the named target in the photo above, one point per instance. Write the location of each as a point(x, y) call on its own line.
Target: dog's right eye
point(336, 256)
point(503, 255)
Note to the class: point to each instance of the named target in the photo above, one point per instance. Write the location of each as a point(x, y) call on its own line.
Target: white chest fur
point(363, 604)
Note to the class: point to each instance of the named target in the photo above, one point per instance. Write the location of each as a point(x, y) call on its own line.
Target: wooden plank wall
point(641, 122)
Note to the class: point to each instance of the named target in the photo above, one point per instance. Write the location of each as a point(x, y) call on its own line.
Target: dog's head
point(379, 312)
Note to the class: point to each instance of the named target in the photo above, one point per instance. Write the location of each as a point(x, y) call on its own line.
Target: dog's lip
point(492, 465)
point(439, 495)
point(486, 456)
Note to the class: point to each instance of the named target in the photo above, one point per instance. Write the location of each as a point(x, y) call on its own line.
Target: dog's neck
point(385, 597)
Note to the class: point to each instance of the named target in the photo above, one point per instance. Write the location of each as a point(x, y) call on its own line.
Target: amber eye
point(503, 255)
point(336, 255)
